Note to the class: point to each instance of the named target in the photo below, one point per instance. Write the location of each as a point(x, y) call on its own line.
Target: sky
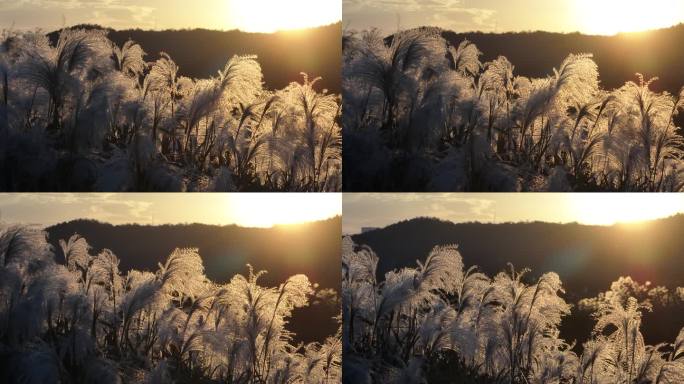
point(380, 210)
point(244, 209)
point(359, 210)
point(604, 17)
point(247, 15)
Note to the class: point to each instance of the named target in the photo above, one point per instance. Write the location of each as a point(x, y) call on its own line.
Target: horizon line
point(47, 225)
point(490, 222)
point(181, 29)
point(520, 31)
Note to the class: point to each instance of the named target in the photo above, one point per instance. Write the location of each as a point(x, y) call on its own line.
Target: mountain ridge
point(653, 53)
point(587, 258)
point(402, 243)
point(201, 52)
point(100, 235)
point(310, 248)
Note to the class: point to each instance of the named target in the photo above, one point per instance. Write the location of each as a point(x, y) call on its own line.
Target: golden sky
point(244, 209)
point(603, 17)
point(379, 210)
point(247, 15)
point(360, 210)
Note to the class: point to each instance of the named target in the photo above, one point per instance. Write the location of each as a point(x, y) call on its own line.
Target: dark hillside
point(200, 53)
point(652, 253)
point(587, 258)
point(312, 249)
point(656, 53)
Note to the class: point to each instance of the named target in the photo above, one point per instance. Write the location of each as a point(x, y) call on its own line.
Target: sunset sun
point(275, 15)
point(609, 17)
point(253, 210)
point(596, 209)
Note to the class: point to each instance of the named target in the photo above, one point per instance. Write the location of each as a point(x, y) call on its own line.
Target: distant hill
point(587, 258)
point(653, 253)
point(312, 249)
point(200, 53)
point(655, 53)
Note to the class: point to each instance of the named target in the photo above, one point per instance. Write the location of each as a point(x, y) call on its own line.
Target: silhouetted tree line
point(225, 250)
point(573, 251)
point(200, 53)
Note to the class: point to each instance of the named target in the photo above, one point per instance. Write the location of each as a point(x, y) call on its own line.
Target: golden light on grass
point(609, 17)
point(279, 15)
point(631, 209)
point(269, 209)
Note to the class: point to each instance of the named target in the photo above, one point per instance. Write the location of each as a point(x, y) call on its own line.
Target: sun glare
point(609, 17)
point(267, 209)
point(280, 15)
point(626, 208)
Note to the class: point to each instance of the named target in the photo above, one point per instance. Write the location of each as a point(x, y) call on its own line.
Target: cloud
point(55, 13)
point(168, 208)
point(381, 209)
point(447, 14)
point(52, 208)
